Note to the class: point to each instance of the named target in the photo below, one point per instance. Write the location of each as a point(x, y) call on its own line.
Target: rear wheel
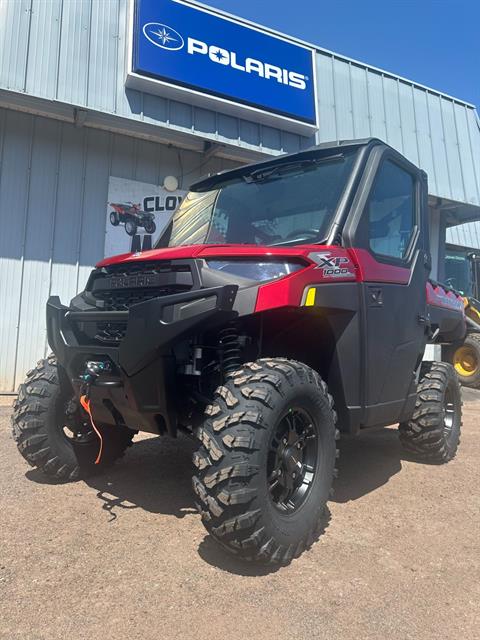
point(52, 434)
point(466, 360)
point(150, 226)
point(433, 432)
point(267, 461)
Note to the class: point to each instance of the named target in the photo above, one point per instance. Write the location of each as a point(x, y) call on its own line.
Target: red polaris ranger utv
point(287, 302)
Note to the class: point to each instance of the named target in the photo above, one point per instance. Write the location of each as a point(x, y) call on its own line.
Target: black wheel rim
point(73, 429)
point(292, 460)
point(450, 412)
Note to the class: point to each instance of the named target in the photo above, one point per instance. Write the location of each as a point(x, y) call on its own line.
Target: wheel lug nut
point(299, 445)
point(294, 475)
point(285, 441)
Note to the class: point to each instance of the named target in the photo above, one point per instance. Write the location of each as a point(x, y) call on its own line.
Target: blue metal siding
point(53, 195)
point(75, 52)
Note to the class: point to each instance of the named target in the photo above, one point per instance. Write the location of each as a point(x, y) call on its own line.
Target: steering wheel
point(262, 235)
point(302, 232)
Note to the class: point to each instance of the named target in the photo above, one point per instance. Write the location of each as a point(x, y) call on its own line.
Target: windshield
point(287, 204)
point(458, 272)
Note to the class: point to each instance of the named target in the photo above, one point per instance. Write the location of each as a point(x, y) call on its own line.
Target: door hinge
point(375, 297)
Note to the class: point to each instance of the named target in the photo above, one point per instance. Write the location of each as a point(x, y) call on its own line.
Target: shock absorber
point(229, 345)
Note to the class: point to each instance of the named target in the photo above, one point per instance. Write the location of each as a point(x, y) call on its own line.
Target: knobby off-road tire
point(150, 227)
point(433, 432)
point(131, 227)
point(114, 218)
point(244, 424)
point(38, 423)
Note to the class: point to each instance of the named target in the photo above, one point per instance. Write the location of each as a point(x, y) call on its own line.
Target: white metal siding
point(53, 195)
point(74, 52)
point(465, 235)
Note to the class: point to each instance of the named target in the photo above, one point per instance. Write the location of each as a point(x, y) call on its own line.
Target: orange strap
point(85, 402)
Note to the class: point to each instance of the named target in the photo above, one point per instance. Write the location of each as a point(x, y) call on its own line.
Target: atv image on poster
point(288, 303)
point(132, 217)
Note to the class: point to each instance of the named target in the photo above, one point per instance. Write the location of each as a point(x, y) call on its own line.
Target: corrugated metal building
point(68, 123)
point(465, 235)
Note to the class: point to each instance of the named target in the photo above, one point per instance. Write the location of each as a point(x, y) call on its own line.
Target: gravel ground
point(125, 555)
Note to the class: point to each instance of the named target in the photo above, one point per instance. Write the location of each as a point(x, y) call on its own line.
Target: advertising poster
point(137, 214)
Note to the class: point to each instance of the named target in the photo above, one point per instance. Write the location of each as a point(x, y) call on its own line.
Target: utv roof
point(209, 182)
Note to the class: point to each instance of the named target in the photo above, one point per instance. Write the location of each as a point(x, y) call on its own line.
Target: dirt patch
point(126, 556)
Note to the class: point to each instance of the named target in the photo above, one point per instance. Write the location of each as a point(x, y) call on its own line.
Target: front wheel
point(267, 460)
point(52, 434)
point(114, 218)
point(130, 227)
point(433, 431)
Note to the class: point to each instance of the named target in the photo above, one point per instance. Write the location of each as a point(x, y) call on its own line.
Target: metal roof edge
point(322, 50)
point(132, 127)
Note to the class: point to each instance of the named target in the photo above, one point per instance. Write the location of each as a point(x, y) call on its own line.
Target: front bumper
point(142, 385)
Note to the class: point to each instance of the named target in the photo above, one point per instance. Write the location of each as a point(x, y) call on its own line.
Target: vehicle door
point(388, 235)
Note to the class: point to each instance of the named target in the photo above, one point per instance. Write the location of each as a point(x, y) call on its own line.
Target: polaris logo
point(247, 65)
point(128, 282)
point(165, 37)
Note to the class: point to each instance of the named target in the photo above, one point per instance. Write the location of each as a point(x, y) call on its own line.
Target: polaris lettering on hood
point(215, 57)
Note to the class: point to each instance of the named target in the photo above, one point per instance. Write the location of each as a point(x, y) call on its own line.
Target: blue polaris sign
point(190, 47)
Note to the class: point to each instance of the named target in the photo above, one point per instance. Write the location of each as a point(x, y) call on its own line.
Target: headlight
point(255, 270)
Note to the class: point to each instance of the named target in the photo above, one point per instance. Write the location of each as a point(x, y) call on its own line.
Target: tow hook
point(93, 370)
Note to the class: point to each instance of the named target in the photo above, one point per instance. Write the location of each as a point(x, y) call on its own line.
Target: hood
point(213, 251)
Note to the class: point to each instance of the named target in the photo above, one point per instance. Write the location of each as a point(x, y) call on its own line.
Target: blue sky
point(434, 42)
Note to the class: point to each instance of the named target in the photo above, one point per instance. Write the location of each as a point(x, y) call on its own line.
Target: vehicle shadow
point(155, 475)
point(367, 462)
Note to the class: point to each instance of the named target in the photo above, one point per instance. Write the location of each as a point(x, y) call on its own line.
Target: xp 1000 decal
point(137, 214)
point(333, 266)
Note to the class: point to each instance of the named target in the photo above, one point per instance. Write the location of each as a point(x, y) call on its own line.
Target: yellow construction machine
point(463, 274)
